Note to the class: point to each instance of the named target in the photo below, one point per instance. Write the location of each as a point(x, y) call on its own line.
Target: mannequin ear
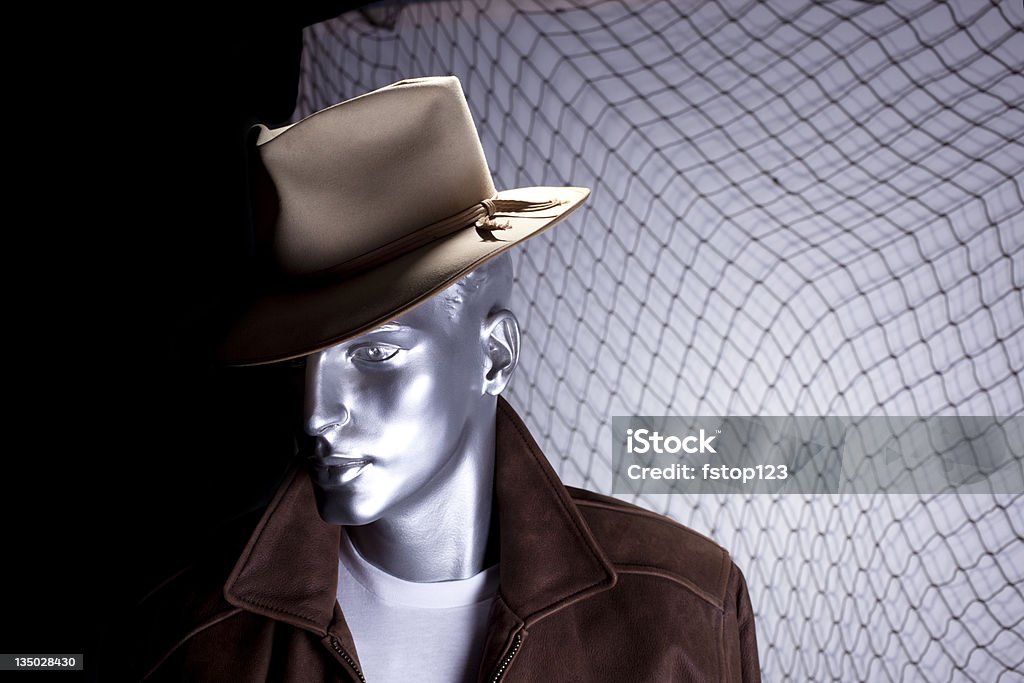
point(501, 350)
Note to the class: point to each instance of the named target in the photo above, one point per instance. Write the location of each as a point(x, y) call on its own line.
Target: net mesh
point(804, 208)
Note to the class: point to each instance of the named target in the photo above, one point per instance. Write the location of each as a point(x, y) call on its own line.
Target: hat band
point(480, 216)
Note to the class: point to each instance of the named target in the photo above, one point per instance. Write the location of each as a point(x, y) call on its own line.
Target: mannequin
point(425, 535)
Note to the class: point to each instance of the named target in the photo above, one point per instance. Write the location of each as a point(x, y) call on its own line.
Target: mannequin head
point(396, 411)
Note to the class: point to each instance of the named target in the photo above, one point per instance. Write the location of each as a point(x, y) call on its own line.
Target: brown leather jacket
point(592, 589)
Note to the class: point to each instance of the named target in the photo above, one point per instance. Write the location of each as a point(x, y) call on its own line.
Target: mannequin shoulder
point(638, 541)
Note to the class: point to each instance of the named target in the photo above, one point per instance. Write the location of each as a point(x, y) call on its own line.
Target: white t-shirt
point(407, 631)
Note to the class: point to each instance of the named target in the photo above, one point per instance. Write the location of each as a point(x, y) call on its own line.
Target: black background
point(127, 240)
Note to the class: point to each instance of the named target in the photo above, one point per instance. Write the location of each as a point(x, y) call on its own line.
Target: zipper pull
point(347, 658)
point(499, 673)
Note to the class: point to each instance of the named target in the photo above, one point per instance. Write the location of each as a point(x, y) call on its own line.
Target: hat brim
point(281, 326)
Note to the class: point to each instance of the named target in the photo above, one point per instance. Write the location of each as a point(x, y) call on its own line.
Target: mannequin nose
point(321, 422)
point(325, 409)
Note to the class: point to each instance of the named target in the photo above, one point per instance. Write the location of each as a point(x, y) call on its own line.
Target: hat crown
point(364, 173)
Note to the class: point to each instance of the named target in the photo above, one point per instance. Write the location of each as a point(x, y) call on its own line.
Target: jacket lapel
point(289, 569)
point(549, 558)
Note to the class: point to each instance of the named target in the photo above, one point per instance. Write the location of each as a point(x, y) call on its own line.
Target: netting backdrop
point(799, 208)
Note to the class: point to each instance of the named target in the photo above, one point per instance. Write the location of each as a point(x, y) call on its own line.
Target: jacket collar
point(549, 559)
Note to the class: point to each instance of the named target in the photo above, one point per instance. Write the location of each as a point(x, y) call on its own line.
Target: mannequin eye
point(374, 353)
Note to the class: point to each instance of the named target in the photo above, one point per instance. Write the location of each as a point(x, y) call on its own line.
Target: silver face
point(403, 420)
point(392, 411)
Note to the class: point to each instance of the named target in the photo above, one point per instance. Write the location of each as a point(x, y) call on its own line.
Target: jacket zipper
point(348, 659)
point(499, 673)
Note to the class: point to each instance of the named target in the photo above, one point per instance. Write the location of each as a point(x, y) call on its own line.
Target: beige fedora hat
point(370, 207)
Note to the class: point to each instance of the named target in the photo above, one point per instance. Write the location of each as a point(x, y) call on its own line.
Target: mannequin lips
point(340, 468)
point(340, 458)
